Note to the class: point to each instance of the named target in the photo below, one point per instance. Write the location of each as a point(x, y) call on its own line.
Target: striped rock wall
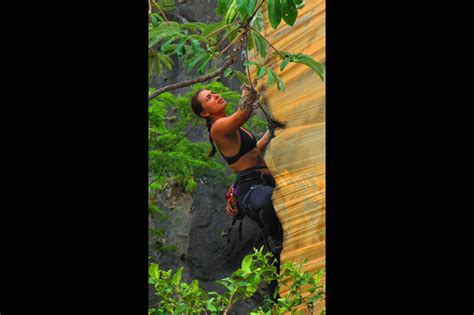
point(296, 156)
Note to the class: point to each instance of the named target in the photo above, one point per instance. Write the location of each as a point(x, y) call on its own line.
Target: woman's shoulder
point(221, 127)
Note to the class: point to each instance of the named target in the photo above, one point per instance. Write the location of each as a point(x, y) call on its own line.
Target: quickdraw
point(231, 207)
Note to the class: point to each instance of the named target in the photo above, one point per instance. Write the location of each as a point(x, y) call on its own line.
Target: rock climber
point(254, 184)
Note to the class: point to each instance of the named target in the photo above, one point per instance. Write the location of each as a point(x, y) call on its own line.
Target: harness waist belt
point(251, 174)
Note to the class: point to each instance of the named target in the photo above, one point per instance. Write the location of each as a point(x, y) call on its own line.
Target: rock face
point(197, 225)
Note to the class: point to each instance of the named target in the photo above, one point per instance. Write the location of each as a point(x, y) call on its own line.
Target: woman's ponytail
point(212, 152)
point(197, 109)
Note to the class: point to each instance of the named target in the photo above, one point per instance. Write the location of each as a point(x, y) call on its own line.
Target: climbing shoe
point(275, 244)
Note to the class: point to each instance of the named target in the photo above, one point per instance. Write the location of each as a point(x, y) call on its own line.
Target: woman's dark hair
point(197, 109)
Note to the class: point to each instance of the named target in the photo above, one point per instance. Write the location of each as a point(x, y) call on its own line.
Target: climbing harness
point(236, 212)
point(232, 208)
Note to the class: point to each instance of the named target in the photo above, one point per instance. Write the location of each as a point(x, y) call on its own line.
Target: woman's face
point(211, 103)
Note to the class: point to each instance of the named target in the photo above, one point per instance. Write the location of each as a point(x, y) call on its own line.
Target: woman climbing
point(254, 184)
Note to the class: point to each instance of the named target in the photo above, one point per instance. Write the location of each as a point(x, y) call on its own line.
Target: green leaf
point(195, 285)
point(180, 49)
point(254, 280)
point(204, 64)
point(211, 28)
point(227, 72)
point(289, 13)
point(190, 186)
point(241, 77)
point(195, 45)
point(156, 186)
point(261, 44)
point(252, 4)
point(284, 63)
point(281, 87)
point(257, 21)
point(158, 16)
point(284, 53)
point(210, 307)
point(193, 26)
point(150, 67)
point(181, 309)
point(299, 4)
point(246, 262)
point(154, 271)
point(167, 43)
point(242, 8)
point(250, 42)
point(311, 59)
point(158, 66)
point(199, 38)
point(311, 63)
point(229, 285)
point(233, 35)
point(154, 20)
point(161, 33)
point(166, 61)
point(260, 72)
point(221, 7)
point(170, 49)
point(177, 277)
point(274, 12)
point(251, 63)
point(269, 76)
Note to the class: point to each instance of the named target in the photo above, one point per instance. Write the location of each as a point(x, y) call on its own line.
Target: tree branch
point(203, 78)
point(162, 13)
point(223, 39)
point(232, 42)
point(230, 303)
point(247, 59)
point(222, 28)
point(256, 10)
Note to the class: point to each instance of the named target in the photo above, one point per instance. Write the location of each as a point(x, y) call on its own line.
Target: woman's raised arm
point(228, 125)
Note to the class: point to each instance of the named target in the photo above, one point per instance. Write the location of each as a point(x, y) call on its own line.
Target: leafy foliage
point(199, 46)
point(303, 59)
point(298, 282)
point(271, 75)
point(274, 12)
point(185, 41)
point(176, 297)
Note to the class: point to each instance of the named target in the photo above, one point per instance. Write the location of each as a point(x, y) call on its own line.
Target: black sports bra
point(247, 144)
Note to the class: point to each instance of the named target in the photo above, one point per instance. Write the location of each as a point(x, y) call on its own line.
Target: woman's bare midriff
point(250, 159)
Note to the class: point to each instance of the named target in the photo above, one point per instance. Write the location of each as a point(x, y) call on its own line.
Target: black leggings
point(261, 208)
point(263, 213)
